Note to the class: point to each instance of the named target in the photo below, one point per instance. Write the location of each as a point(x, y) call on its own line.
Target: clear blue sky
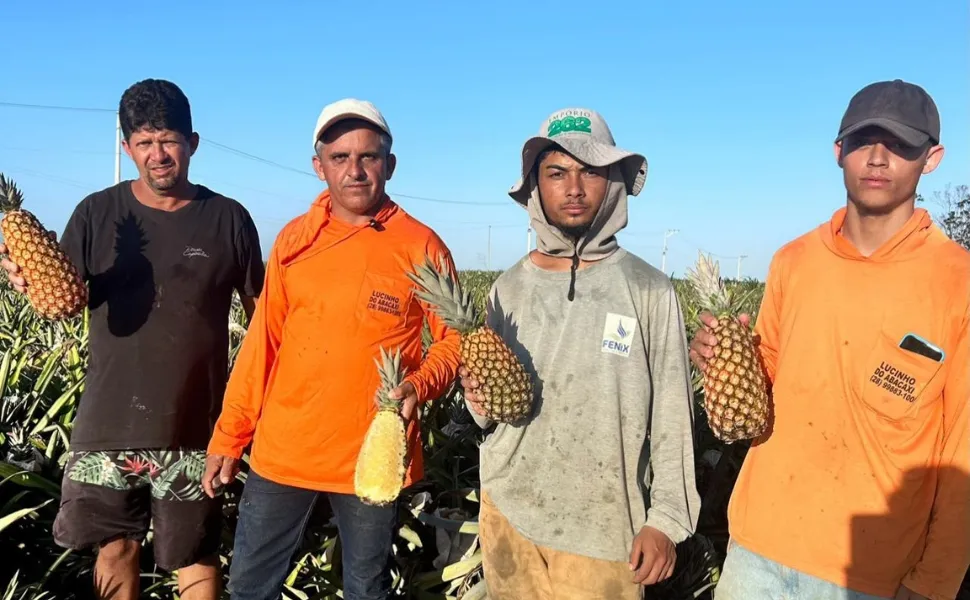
point(735, 108)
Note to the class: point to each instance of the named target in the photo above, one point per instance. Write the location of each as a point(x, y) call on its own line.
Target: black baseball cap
point(903, 109)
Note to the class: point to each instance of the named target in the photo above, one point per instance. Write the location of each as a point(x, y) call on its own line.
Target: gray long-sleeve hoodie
point(609, 446)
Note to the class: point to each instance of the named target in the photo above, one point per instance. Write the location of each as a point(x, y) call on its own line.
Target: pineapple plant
point(504, 384)
point(54, 287)
point(735, 390)
point(380, 469)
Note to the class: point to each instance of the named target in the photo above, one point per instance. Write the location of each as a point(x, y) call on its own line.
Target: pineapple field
point(436, 552)
point(437, 557)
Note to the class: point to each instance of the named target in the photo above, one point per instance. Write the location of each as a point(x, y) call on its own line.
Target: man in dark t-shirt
point(162, 258)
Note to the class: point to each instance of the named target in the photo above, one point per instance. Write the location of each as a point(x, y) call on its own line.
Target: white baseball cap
point(349, 108)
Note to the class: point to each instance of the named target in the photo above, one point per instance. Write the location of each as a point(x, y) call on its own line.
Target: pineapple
point(380, 471)
point(504, 384)
point(735, 392)
point(54, 287)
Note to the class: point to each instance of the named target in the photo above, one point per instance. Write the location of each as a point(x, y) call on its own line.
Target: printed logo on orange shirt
point(897, 382)
point(385, 303)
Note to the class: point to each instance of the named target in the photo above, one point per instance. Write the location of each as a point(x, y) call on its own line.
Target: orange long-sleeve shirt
point(864, 477)
point(303, 386)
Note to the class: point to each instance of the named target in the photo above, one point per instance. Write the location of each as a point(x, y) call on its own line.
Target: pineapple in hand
point(505, 389)
point(735, 389)
point(381, 463)
point(54, 287)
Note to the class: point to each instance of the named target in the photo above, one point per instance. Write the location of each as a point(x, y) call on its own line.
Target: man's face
point(571, 192)
point(880, 171)
point(353, 163)
point(161, 156)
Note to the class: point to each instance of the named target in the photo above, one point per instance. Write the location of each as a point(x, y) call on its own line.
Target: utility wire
point(698, 247)
point(247, 155)
point(232, 150)
point(53, 107)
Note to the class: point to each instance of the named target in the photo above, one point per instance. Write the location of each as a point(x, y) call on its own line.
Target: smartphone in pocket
point(917, 345)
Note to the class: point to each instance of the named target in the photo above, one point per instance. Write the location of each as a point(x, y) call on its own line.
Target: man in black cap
point(860, 488)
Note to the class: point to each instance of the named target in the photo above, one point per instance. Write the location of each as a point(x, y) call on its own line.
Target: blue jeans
point(750, 576)
point(272, 518)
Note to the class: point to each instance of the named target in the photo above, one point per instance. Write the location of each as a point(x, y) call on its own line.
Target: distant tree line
point(954, 216)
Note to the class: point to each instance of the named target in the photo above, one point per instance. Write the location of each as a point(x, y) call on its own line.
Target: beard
point(161, 184)
point(573, 232)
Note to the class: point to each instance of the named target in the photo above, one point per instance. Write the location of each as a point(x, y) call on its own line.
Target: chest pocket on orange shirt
point(895, 381)
point(383, 303)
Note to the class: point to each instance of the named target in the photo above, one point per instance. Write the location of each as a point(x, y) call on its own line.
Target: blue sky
point(735, 108)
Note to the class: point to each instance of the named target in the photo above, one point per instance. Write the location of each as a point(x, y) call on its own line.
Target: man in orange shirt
point(861, 486)
point(303, 387)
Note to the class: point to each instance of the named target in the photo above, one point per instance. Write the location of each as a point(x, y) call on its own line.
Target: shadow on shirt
point(509, 332)
point(889, 544)
point(128, 286)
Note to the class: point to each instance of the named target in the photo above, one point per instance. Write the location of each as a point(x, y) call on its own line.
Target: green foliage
point(955, 220)
point(436, 553)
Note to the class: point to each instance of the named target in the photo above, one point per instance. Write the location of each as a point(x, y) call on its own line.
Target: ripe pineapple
point(735, 394)
point(503, 382)
point(54, 287)
point(380, 470)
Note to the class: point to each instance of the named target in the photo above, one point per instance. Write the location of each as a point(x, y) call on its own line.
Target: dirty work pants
point(516, 569)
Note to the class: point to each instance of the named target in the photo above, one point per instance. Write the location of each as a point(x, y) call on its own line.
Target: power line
point(250, 156)
point(232, 150)
point(266, 161)
point(701, 249)
point(58, 150)
point(55, 107)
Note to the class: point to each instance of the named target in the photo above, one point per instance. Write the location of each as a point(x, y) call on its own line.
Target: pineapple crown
point(11, 198)
point(707, 282)
point(391, 374)
point(439, 287)
point(710, 288)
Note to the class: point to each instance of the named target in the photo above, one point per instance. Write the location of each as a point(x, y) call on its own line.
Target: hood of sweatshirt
point(584, 135)
point(911, 237)
point(317, 229)
point(599, 241)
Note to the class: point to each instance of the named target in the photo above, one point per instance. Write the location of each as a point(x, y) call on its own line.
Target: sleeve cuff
point(222, 446)
point(420, 389)
point(669, 527)
point(482, 422)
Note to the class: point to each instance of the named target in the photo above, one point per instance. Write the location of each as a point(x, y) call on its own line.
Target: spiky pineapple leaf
point(442, 290)
point(11, 198)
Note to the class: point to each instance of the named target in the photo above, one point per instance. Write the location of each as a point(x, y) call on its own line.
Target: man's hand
point(13, 271)
point(471, 384)
point(653, 557)
point(409, 395)
point(220, 471)
point(702, 346)
point(905, 593)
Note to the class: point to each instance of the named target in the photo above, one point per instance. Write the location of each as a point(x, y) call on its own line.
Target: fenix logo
point(618, 334)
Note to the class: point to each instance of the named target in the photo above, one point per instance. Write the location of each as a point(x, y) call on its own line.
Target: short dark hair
point(155, 104)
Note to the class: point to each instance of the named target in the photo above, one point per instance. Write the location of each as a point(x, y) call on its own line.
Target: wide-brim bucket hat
point(584, 134)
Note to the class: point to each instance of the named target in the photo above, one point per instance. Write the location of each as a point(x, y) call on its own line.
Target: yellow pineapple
point(735, 391)
point(504, 384)
point(380, 471)
point(54, 287)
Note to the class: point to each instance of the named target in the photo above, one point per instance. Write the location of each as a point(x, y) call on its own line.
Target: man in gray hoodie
point(589, 495)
